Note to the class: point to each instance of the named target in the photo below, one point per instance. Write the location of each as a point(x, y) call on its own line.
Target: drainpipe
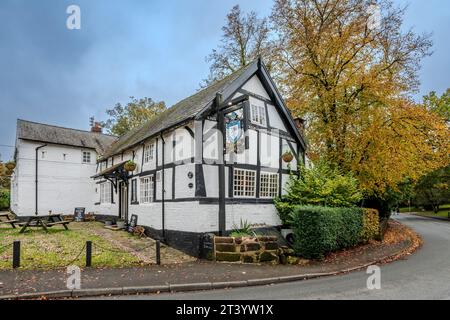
point(163, 190)
point(36, 180)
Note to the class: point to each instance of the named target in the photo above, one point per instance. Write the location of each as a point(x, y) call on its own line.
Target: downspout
point(36, 180)
point(163, 190)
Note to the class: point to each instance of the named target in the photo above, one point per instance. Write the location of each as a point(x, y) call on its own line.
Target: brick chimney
point(300, 124)
point(96, 127)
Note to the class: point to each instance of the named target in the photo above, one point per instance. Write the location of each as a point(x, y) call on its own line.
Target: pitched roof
point(182, 111)
point(45, 133)
point(195, 106)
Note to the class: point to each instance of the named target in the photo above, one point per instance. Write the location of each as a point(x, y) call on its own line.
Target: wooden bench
point(11, 222)
point(56, 223)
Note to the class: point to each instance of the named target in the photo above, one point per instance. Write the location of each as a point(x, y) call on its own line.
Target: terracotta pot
point(130, 166)
point(288, 157)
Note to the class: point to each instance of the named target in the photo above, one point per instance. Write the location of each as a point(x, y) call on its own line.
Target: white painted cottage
point(53, 168)
point(204, 165)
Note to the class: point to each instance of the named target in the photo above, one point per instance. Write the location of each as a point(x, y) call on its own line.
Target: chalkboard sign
point(79, 214)
point(133, 223)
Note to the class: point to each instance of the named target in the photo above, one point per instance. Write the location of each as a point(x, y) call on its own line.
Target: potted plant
point(11, 165)
point(130, 165)
point(287, 156)
point(121, 224)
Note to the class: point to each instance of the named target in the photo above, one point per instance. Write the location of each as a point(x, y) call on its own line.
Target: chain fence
point(150, 248)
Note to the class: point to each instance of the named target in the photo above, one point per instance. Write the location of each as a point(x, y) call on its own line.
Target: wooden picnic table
point(4, 218)
point(44, 222)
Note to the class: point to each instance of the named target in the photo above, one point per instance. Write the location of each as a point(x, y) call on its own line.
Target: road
point(423, 275)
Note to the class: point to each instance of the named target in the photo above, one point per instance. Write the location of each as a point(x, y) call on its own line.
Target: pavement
point(423, 275)
point(199, 275)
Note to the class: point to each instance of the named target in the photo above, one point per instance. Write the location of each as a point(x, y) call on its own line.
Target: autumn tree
point(135, 113)
point(348, 68)
point(245, 37)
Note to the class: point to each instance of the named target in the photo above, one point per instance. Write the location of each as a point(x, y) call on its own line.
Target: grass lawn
point(58, 247)
point(443, 212)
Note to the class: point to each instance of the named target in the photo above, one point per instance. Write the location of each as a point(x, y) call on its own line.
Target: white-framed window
point(268, 185)
point(149, 151)
point(258, 114)
point(86, 157)
point(146, 190)
point(105, 192)
point(244, 183)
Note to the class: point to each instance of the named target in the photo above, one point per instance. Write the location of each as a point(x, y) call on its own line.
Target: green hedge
point(4, 199)
point(320, 230)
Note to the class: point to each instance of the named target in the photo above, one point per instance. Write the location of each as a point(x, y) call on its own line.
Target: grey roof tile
point(45, 133)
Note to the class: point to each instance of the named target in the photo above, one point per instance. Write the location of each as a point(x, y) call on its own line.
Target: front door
point(123, 201)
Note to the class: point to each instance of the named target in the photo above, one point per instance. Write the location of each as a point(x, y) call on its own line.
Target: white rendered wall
point(63, 183)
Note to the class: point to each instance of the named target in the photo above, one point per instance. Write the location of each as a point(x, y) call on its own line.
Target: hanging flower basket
point(10, 165)
point(130, 165)
point(287, 156)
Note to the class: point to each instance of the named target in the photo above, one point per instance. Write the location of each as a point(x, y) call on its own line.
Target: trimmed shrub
point(320, 230)
point(352, 225)
point(371, 225)
point(316, 230)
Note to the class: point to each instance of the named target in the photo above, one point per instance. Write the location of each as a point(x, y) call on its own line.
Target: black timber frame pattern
point(212, 111)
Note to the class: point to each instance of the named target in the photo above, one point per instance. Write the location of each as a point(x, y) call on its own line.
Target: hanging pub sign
point(234, 131)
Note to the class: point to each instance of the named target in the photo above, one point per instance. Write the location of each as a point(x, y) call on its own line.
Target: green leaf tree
point(134, 114)
point(439, 105)
point(433, 190)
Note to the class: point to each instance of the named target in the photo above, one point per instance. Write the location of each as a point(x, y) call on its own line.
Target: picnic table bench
point(44, 222)
point(4, 216)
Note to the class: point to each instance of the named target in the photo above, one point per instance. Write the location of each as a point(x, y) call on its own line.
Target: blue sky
point(136, 48)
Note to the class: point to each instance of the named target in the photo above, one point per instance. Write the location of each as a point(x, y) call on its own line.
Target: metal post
point(158, 252)
point(88, 253)
point(16, 254)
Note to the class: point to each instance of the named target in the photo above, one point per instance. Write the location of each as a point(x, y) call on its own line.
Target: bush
point(320, 230)
point(352, 226)
point(4, 199)
point(319, 185)
point(371, 225)
point(316, 230)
